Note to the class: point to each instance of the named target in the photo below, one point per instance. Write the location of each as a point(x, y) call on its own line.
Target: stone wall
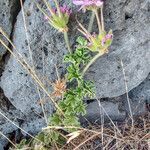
point(130, 22)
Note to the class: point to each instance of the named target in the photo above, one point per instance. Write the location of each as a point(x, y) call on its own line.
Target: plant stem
point(49, 7)
point(98, 21)
point(57, 6)
point(67, 41)
point(102, 19)
point(91, 62)
point(91, 21)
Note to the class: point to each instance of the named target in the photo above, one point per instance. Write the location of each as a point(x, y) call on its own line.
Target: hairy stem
point(102, 19)
point(57, 6)
point(67, 41)
point(91, 62)
point(49, 7)
point(98, 21)
point(91, 21)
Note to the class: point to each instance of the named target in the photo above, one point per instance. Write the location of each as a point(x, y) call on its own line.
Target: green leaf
point(71, 121)
point(55, 119)
point(81, 109)
point(62, 105)
point(73, 72)
point(82, 41)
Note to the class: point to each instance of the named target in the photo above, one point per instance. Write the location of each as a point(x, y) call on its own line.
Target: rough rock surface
point(139, 98)
point(106, 109)
point(31, 124)
point(5, 126)
point(8, 11)
point(1, 146)
point(142, 92)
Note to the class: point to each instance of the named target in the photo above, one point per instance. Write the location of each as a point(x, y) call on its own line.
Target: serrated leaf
point(55, 119)
point(82, 41)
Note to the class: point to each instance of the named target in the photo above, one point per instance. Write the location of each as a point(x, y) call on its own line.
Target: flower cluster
point(88, 4)
point(100, 42)
point(106, 38)
point(65, 10)
point(97, 42)
point(59, 17)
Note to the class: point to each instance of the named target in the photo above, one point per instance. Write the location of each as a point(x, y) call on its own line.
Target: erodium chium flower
point(100, 42)
point(97, 42)
point(88, 4)
point(58, 17)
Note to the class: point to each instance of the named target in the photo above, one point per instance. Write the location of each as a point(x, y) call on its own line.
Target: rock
point(139, 97)
point(31, 124)
point(118, 111)
point(97, 109)
point(1, 146)
point(8, 11)
point(142, 92)
point(138, 108)
point(6, 127)
point(128, 23)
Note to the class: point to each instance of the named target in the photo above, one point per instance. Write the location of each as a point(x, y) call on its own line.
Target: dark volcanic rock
point(8, 12)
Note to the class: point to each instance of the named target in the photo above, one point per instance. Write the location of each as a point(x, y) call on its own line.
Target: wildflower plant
point(73, 88)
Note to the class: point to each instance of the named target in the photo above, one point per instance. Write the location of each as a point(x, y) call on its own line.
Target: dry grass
point(135, 137)
point(131, 138)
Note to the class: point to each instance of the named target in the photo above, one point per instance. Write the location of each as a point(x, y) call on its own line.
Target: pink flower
point(88, 3)
point(107, 37)
point(65, 10)
point(59, 17)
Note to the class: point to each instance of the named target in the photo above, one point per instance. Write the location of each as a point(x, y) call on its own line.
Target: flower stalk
point(102, 19)
point(58, 17)
point(91, 62)
point(49, 7)
point(67, 41)
point(98, 21)
point(91, 22)
point(58, 8)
